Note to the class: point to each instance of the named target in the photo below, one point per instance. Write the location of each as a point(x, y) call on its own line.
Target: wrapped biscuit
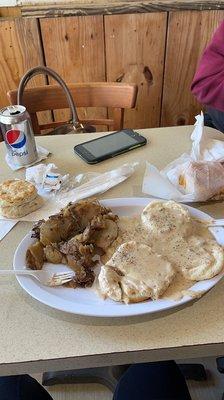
point(198, 176)
point(202, 179)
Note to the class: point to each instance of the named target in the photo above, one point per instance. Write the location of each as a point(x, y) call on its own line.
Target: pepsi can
point(18, 135)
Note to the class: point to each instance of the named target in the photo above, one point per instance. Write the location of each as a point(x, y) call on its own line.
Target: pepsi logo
point(15, 138)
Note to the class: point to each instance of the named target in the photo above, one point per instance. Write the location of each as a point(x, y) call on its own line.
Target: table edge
point(105, 359)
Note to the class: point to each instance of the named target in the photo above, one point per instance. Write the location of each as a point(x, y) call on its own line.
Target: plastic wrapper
point(91, 184)
point(46, 177)
point(74, 188)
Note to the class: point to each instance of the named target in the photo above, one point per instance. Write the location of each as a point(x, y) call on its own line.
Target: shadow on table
point(101, 321)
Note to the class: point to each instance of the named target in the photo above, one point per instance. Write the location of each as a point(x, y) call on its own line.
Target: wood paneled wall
point(135, 49)
point(188, 34)
point(20, 49)
point(158, 51)
point(74, 47)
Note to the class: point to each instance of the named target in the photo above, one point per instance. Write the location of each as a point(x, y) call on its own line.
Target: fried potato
point(35, 256)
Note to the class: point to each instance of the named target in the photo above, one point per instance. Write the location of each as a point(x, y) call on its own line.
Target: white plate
point(86, 301)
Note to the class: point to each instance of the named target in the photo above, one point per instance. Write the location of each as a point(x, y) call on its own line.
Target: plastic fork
point(44, 277)
point(216, 222)
point(211, 223)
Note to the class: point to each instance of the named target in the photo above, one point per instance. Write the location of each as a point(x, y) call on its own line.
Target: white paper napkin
point(157, 185)
point(95, 185)
point(41, 152)
point(5, 227)
point(201, 169)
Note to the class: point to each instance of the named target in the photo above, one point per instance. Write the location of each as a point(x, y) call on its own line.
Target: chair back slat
point(118, 96)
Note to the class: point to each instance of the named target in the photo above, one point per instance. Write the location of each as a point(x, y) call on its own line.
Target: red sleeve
point(208, 82)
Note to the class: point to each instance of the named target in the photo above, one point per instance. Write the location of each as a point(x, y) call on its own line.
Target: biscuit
point(21, 210)
point(135, 273)
point(15, 192)
point(163, 218)
point(198, 258)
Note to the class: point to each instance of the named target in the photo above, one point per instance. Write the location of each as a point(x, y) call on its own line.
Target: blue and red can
point(17, 131)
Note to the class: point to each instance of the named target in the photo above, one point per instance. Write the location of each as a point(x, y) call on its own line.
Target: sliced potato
point(107, 235)
point(53, 255)
point(35, 256)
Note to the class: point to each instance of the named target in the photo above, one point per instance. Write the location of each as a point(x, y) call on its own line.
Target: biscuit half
point(21, 210)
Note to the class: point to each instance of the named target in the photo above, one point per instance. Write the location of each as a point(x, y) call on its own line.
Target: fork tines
point(61, 278)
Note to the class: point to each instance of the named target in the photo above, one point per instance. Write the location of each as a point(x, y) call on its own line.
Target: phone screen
point(109, 144)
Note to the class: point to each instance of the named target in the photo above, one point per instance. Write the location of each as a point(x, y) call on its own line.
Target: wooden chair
point(118, 96)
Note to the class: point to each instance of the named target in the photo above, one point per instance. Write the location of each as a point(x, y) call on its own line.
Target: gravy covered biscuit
point(181, 241)
point(197, 258)
point(18, 198)
point(164, 219)
point(135, 273)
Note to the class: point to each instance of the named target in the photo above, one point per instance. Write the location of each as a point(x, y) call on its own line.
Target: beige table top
point(34, 337)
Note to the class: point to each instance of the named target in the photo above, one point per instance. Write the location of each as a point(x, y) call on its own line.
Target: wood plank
point(86, 7)
point(74, 47)
point(188, 34)
point(135, 46)
point(20, 49)
point(6, 12)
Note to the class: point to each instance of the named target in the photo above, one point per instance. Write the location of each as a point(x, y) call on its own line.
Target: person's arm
point(208, 82)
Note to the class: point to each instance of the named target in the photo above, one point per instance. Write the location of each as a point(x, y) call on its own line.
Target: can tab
point(13, 110)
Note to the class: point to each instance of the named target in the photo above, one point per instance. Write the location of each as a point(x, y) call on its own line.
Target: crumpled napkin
point(95, 184)
point(196, 176)
point(46, 177)
point(41, 152)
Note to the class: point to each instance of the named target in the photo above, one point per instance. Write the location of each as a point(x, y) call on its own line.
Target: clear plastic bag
point(76, 188)
point(90, 184)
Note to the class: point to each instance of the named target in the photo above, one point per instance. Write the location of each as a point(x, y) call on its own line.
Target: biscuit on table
point(21, 210)
point(18, 198)
point(15, 192)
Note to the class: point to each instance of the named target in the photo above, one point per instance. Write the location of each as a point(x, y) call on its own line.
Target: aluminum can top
point(13, 114)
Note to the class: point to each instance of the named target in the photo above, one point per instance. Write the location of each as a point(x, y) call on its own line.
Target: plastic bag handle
point(48, 71)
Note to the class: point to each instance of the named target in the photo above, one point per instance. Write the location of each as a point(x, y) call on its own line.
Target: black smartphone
point(108, 146)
